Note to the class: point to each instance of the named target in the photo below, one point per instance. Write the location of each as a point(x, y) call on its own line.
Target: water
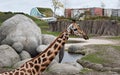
point(69, 57)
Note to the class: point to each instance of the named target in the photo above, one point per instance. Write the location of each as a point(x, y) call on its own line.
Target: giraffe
point(38, 64)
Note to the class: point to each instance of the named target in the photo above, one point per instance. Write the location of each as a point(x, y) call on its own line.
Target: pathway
point(81, 42)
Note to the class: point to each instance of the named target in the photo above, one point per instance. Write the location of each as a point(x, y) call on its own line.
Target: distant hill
point(5, 15)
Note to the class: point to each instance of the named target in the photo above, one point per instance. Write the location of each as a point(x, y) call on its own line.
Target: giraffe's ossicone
point(39, 63)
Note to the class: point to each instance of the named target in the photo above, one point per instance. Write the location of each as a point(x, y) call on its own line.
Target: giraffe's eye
point(75, 29)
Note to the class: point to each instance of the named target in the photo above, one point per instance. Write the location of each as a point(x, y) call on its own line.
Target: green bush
point(5, 15)
point(98, 18)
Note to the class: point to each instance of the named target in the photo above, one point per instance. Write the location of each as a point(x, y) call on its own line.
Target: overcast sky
point(26, 5)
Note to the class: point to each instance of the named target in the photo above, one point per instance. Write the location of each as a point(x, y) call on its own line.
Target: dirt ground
point(82, 42)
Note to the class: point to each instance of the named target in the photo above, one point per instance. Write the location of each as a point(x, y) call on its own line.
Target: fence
point(99, 27)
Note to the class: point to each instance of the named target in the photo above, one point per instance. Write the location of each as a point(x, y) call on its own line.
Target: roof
point(46, 11)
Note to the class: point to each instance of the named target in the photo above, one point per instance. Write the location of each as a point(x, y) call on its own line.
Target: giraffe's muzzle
point(85, 37)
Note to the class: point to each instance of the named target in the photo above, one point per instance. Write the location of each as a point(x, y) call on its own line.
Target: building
point(96, 11)
point(68, 13)
point(41, 12)
point(77, 13)
point(112, 12)
point(107, 12)
point(45, 14)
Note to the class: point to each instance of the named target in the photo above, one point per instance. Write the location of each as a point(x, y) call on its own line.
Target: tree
point(57, 5)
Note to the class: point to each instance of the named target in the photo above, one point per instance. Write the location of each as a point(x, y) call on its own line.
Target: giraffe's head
point(75, 29)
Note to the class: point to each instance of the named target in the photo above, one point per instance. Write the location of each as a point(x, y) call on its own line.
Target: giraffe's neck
point(39, 63)
point(49, 54)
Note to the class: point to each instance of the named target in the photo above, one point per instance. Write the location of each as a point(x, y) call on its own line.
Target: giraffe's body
point(39, 63)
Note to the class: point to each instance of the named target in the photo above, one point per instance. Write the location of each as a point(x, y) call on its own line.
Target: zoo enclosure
point(96, 27)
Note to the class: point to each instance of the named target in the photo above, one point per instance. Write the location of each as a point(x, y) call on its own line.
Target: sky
point(26, 5)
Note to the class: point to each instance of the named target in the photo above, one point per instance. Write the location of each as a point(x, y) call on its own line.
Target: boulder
point(21, 32)
point(75, 64)
point(95, 66)
point(64, 69)
point(8, 56)
point(24, 55)
point(20, 63)
point(41, 48)
point(99, 73)
point(76, 49)
point(47, 39)
point(18, 47)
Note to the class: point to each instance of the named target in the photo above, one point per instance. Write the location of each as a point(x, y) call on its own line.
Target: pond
point(70, 57)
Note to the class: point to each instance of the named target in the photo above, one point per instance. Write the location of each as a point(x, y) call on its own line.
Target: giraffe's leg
point(61, 54)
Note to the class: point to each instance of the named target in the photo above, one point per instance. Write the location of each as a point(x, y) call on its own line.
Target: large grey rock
point(18, 47)
point(41, 48)
point(8, 56)
point(24, 55)
point(75, 64)
point(21, 29)
point(47, 39)
point(76, 49)
point(20, 63)
point(99, 73)
point(64, 69)
point(95, 66)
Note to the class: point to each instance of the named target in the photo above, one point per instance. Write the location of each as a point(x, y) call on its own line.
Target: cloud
point(26, 5)
point(93, 3)
point(18, 5)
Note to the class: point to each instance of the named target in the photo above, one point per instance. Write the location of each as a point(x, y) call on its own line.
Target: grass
point(101, 54)
point(117, 47)
point(114, 37)
point(95, 58)
point(45, 28)
point(85, 70)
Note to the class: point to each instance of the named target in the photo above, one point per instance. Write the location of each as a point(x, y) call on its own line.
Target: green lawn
point(93, 58)
point(114, 37)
